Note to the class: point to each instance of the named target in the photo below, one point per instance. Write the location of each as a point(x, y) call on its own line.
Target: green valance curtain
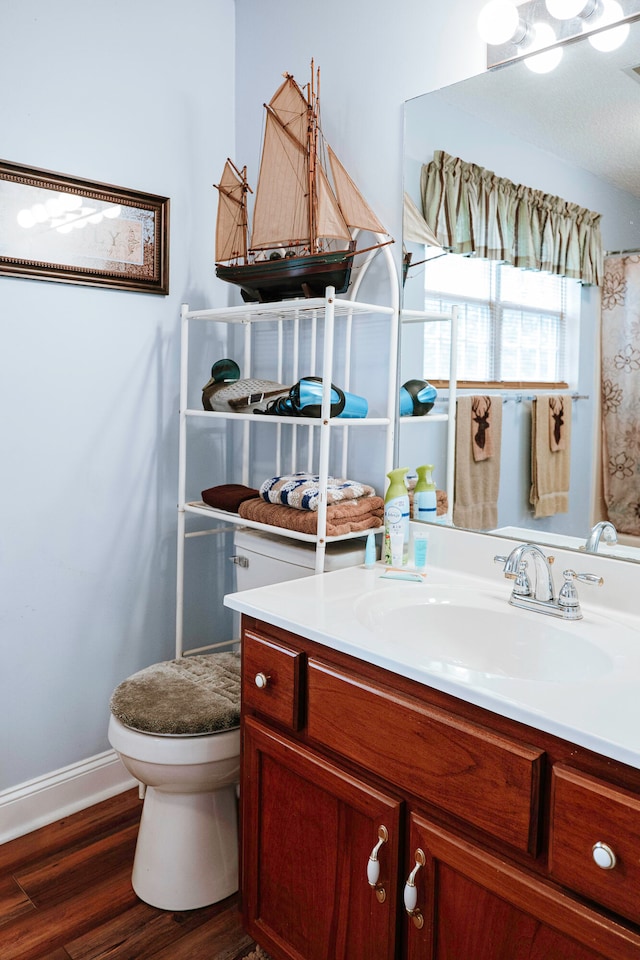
point(473, 211)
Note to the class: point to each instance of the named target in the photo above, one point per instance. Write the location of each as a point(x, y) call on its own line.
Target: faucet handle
point(500, 559)
point(568, 596)
point(593, 578)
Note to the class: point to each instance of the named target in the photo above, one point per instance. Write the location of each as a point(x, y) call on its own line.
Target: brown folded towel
point(228, 496)
point(442, 502)
point(348, 517)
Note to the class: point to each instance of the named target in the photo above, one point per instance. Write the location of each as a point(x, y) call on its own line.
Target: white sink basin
point(471, 635)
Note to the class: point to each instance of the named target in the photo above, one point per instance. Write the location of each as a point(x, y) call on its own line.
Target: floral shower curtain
point(621, 392)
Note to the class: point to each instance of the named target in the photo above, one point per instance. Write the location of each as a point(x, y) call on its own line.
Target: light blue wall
point(138, 94)
point(147, 95)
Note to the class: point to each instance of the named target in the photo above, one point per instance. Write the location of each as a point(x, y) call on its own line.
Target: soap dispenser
point(396, 519)
point(424, 495)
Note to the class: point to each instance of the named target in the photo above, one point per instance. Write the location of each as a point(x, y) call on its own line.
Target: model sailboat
point(307, 208)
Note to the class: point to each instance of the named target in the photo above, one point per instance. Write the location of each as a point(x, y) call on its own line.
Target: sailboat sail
point(414, 226)
point(355, 209)
point(281, 214)
point(330, 221)
point(231, 227)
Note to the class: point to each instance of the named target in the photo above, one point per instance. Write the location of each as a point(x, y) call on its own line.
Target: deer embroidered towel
point(550, 455)
point(477, 475)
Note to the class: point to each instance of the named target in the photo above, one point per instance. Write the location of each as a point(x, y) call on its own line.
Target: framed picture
point(54, 227)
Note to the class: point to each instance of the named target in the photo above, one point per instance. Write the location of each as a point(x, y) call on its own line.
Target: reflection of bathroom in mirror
point(575, 134)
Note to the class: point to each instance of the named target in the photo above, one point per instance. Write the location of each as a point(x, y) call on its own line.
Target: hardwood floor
point(65, 894)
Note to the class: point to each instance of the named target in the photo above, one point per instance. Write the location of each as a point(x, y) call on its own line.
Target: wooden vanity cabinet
point(343, 761)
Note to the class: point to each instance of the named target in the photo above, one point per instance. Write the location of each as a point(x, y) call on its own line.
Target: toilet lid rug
point(189, 696)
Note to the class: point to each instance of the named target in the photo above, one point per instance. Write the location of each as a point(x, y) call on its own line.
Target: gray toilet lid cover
point(189, 696)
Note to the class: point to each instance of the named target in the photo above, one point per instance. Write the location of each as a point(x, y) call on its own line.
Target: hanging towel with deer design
point(477, 473)
point(550, 455)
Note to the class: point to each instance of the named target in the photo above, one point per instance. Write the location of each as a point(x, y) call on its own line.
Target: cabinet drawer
point(271, 679)
point(489, 780)
point(586, 811)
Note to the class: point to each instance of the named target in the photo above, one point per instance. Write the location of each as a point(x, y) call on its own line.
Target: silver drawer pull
point(262, 681)
point(603, 855)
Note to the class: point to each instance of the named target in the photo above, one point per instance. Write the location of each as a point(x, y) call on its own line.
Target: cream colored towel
point(477, 481)
point(550, 455)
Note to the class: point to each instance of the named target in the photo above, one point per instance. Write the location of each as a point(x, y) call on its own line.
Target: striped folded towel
point(302, 490)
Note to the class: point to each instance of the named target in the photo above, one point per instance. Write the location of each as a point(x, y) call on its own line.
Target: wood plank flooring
point(65, 894)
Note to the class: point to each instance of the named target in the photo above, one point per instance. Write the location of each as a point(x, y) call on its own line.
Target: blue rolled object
point(417, 397)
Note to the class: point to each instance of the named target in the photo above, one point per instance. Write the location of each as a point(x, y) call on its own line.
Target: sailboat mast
point(244, 219)
point(312, 148)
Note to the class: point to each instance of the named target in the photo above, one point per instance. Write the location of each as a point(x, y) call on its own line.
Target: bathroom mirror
point(574, 133)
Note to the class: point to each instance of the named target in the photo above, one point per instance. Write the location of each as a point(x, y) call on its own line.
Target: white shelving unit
point(289, 320)
point(421, 423)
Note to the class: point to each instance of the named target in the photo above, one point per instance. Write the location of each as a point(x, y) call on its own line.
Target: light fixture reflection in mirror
point(543, 36)
point(609, 39)
point(64, 212)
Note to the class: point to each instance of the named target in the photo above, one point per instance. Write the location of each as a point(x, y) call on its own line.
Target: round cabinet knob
point(261, 680)
point(604, 855)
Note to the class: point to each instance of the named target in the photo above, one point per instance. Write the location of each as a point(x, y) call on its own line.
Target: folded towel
point(302, 490)
point(550, 455)
point(228, 496)
point(477, 481)
point(362, 514)
point(442, 501)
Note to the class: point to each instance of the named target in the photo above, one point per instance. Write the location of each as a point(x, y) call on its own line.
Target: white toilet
point(175, 726)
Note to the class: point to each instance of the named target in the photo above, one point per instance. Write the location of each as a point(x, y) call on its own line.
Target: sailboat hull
point(266, 281)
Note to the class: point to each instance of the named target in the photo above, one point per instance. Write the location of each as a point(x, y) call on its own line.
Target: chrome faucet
point(541, 595)
point(604, 529)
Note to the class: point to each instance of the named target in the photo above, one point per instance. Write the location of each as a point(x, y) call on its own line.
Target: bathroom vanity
point(402, 805)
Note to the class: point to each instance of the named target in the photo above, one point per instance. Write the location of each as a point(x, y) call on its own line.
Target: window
point(512, 323)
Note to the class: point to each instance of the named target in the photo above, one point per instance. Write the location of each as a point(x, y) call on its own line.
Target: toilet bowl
point(175, 726)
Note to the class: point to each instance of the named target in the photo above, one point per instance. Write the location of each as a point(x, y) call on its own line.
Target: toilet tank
point(263, 558)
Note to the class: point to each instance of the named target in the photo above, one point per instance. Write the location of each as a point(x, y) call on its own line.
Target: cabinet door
point(474, 905)
point(309, 829)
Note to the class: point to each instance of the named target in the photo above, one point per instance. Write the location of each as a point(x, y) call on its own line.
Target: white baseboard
point(56, 795)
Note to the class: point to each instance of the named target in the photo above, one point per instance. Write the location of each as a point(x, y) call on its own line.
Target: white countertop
point(599, 710)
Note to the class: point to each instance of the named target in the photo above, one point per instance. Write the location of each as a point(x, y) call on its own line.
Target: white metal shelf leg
point(325, 427)
point(182, 475)
point(451, 425)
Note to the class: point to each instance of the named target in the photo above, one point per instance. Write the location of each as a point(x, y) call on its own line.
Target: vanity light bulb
point(609, 39)
point(548, 60)
point(498, 21)
point(565, 9)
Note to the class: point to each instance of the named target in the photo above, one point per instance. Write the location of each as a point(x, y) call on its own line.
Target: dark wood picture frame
point(62, 228)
